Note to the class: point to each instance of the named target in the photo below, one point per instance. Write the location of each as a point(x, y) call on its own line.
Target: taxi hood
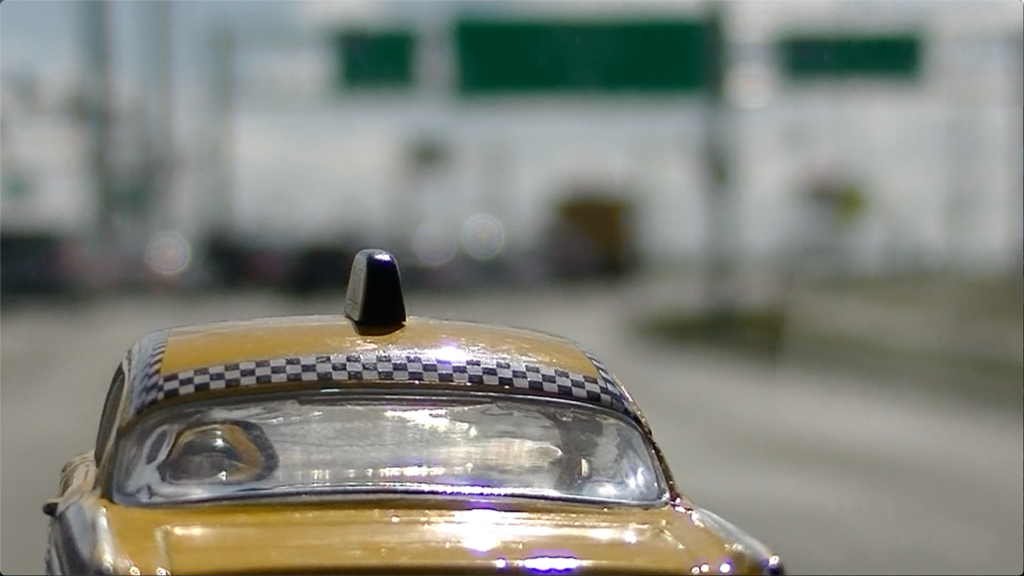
point(307, 540)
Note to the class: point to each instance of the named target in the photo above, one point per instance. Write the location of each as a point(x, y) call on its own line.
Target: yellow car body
point(100, 527)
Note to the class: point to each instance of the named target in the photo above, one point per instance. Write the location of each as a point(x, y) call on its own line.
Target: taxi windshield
point(272, 447)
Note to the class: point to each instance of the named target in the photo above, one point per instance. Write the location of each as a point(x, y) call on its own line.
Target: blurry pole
point(951, 76)
point(223, 124)
point(1017, 228)
point(439, 202)
point(720, 279)
point(159, 206)
point(99, 113)
point(962, 98)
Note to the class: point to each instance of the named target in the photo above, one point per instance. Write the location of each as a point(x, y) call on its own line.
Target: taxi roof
point(238, 357)
point(373, 344)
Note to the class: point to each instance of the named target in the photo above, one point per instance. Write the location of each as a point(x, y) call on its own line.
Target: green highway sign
point(554, 57)
point(376, 59)
point(812, 57)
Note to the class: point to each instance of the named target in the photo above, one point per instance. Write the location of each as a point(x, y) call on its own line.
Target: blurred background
point(793, 229)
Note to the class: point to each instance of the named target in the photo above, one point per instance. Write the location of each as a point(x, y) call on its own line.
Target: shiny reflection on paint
point(450, 353)
point(162, 572)
point(704, 568)
point(195, 531)
point(500, 563)
point(480, 542)
point(476, 529)
point(480, 515)
point(695, 570)
point(604, 534)
point(545, 564)
point(725, 568)
point(484, 529)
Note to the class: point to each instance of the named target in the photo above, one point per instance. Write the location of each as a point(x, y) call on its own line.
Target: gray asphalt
point(839, 474)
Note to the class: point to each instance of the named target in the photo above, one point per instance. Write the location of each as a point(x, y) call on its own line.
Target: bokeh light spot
point(434, 245)
point(482, 237)
point(168, 253)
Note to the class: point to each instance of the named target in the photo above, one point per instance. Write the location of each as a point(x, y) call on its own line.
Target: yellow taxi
point(375, 443)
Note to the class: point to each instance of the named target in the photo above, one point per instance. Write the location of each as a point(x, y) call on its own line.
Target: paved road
point(839, 474)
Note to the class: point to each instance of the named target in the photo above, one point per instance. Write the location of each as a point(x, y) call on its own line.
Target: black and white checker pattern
point(610, 382)
point(603, 373)
point(400, 367)
point(147, 356)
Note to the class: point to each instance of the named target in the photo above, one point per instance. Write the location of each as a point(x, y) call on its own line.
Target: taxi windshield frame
point(166, 415)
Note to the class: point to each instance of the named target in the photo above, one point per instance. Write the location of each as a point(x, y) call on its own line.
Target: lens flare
point(482, 237)
point(434, 245)
point(168, 253)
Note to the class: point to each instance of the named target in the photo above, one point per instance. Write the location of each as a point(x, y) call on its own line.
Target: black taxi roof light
point(374, 300)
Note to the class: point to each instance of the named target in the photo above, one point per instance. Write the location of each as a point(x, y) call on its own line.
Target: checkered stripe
point(610, 382)
point(391, 368)
point(146, 379)
point(606, 376)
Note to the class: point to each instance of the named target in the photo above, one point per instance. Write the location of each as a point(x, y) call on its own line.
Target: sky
point(37, 36)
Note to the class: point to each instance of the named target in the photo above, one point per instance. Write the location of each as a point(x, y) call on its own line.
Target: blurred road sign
point(376, 59)
point(808, 57)
point(661, 56)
